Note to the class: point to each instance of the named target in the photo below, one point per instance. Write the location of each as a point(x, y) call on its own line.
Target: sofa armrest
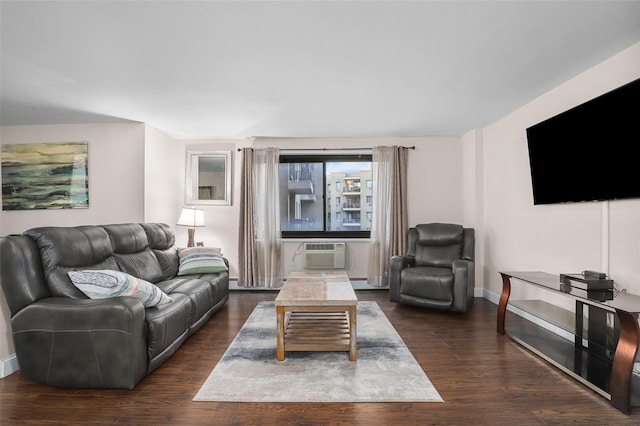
point(397, 264)
point(82, 343)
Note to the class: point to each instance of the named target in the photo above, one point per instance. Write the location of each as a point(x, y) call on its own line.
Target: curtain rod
point(332, 149)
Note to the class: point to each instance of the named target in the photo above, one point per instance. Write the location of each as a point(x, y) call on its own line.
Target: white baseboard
point(8, 365)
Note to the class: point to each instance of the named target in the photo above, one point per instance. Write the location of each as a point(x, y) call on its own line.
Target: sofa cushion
point(101, 284)
point(200, 292)
point(131, 251)
point(201, 260)
point(218, 283)
point(161, 241)
point(427, 283)
point(167, 327)
point(159, 235)
point(168, 260)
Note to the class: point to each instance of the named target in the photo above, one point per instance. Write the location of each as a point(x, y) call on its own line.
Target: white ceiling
point(206, 69)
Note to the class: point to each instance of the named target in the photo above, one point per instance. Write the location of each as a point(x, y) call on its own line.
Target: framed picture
point(45, 176)
point(208, 180)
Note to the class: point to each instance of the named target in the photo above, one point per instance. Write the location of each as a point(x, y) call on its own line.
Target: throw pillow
point(201, 260)
point(100, 284)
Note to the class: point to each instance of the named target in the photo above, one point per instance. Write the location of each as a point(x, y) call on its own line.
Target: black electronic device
point(588, 152)
point(594, 274)
point(588, 280)
point(597, 295)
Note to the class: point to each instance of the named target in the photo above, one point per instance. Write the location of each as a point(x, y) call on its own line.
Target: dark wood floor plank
point(483, 377)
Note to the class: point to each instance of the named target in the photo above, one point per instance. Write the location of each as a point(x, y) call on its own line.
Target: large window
point(322, 195)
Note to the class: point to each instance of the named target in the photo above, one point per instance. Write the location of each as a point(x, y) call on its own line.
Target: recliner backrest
point(162, 241)
point(436, 244)
point(21, 274)
point(63, 249)
point(123, 247)
point(132, 252)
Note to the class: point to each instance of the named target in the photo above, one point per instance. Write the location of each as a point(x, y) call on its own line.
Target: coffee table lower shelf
point(317, 329)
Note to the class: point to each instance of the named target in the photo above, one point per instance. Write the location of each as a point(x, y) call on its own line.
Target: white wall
point(563, 237)
point(116, 185)
point(473, 196)
point(163, 177)
point(222, 222)
point(116, 174)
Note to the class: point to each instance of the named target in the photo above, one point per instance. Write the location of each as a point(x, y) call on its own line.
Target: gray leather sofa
point(64, 339)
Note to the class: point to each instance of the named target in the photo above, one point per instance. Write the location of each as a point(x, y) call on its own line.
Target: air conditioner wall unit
point(325, 255)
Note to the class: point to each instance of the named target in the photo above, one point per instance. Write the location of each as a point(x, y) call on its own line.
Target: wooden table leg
point(504, 299)
point(353, 333)
point(622, 370)
point(280, 332)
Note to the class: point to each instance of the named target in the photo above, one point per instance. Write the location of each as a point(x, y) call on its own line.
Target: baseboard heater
point(325, 255)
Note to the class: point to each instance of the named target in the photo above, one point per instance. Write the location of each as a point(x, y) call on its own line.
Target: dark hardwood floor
point(484, 379)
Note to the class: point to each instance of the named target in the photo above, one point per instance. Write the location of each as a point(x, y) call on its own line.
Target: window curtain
point(260, 245)
point(389, 224)
point(247, 259)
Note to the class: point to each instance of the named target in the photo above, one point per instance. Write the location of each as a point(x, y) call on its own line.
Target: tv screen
point(588, 153)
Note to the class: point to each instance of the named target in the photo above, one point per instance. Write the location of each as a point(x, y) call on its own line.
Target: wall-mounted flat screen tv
point(588, 153)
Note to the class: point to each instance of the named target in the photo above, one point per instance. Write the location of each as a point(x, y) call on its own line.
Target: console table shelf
point(591, 370)
point(598, 358)
point(547, 312)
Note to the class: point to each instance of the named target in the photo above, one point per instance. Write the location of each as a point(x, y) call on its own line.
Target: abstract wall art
point(45, 176)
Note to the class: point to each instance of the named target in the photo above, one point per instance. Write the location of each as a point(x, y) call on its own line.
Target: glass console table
point(602, 357)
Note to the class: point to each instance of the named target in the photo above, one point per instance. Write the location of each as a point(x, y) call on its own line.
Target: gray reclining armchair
point(438, 270)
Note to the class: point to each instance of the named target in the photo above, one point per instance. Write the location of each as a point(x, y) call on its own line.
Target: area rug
point(385, 371)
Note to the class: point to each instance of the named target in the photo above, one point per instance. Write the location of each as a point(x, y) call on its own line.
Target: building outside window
point(306, 183)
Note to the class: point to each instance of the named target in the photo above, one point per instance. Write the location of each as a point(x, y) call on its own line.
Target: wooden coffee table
point(316, 311)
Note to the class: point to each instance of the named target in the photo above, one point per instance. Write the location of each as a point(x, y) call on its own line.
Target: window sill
point(348, 240)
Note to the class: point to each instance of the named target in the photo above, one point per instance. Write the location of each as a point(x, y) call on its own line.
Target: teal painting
point(45, 176)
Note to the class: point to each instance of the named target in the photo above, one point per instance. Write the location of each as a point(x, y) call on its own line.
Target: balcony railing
point(353, 206)
point(350, 223)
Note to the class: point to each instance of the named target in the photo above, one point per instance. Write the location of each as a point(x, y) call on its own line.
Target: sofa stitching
point(51, 346)
point(95, 357)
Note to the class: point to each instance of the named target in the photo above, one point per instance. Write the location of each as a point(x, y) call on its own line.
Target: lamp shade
point(191, 217)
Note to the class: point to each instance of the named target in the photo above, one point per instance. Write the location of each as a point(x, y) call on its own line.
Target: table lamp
point(191, 217)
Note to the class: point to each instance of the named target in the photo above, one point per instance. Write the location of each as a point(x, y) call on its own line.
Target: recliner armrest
point(397, 264)
point(82, 343)
point(461, 264)
point(464, 284)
